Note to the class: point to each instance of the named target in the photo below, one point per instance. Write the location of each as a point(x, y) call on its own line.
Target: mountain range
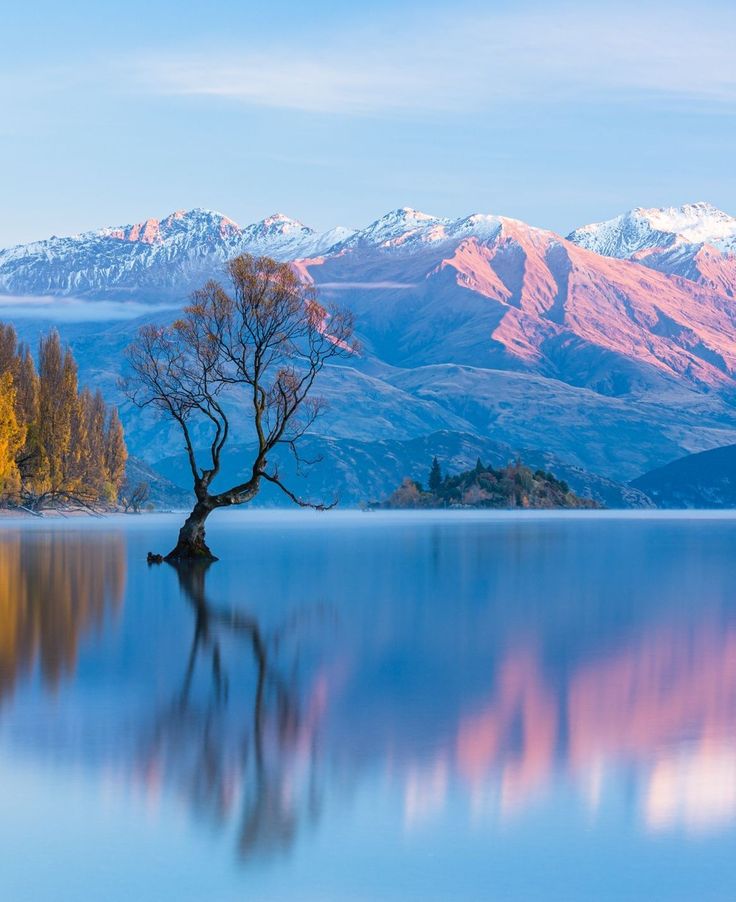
point(613, 349)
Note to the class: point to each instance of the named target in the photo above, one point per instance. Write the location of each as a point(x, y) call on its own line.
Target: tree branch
point(270, 477)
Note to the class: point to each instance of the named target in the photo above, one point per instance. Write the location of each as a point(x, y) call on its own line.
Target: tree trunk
point(191, 545)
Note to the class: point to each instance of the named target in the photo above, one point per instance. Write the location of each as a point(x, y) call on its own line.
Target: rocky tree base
point(191, 545)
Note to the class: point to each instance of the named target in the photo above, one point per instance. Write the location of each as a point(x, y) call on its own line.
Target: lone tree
point(257, 347)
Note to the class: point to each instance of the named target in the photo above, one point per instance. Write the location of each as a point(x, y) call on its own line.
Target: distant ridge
point(704, 480)
point(480, 325)
point(167, 255)
point(695, 241)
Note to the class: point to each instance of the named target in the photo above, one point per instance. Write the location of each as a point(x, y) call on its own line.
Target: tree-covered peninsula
point(512, 486)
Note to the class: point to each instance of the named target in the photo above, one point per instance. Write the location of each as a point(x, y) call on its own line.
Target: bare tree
point(228, 727)
point(265, 340)
point(134, 496)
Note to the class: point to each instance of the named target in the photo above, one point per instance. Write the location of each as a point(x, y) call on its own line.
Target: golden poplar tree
point(56, 442)
point(8, 348)
point(12, 436)
point(32, 461)
point(91, 440)
point(26, 383)
point(77, 464)
point(116, 454)
point(69, 401)
point(57, 408)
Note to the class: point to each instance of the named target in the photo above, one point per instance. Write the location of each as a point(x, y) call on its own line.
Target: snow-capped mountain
point(161, 259)
point(525, 299)
point(479, 290)
point(158, 259)
point(478, 325)
point(695, 241)
point(407, 229)
point(167, 255)
point(660, 228)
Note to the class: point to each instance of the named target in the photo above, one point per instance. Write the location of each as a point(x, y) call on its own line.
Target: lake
point(439, 706)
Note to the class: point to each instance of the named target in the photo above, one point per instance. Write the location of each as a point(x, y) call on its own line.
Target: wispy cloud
point(468, 62)
point(71, 309)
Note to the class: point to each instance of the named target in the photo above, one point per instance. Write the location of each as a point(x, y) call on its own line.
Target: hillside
point(705, 480)
point(356, 472)
point(161, 493)
point(477, 326)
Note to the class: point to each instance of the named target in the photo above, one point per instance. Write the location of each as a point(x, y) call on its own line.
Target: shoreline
point(15, 513)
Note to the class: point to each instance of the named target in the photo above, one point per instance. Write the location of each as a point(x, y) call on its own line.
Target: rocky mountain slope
point(695, 241)
point(514, 297)
point(154, 259)
point(613, 349)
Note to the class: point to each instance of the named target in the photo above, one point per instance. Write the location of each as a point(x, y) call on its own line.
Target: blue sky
point(556, 113)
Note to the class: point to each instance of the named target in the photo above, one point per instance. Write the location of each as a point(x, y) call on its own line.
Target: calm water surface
point(369, 707)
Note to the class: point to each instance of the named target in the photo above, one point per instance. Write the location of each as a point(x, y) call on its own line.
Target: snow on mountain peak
point(285, 238)
point(406, 229)
point(402, 217)
point(280, 222)
point(176, 225)
point(398, 228)
point(643, 228)
point(169, 254)
point(410, 213)
point(172, 254)
point(477, 225)
point(698, 223)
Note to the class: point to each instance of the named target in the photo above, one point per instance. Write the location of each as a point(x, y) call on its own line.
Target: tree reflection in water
point(247, 741)
point(442, 698)
point(51, 595)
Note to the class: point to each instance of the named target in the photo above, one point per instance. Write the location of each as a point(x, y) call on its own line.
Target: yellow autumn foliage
point(56, 442)
point(12, 437)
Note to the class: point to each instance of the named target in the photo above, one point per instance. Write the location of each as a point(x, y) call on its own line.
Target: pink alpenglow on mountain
point(695, 241)
point(518, 297)
point(640, 300)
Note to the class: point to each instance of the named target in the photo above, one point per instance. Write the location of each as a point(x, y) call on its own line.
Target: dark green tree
point(435, 476)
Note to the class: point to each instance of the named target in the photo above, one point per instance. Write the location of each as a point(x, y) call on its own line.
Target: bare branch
point(318, 506)
point(261, 344)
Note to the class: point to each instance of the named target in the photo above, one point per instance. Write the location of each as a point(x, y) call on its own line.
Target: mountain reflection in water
point(475, 666)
